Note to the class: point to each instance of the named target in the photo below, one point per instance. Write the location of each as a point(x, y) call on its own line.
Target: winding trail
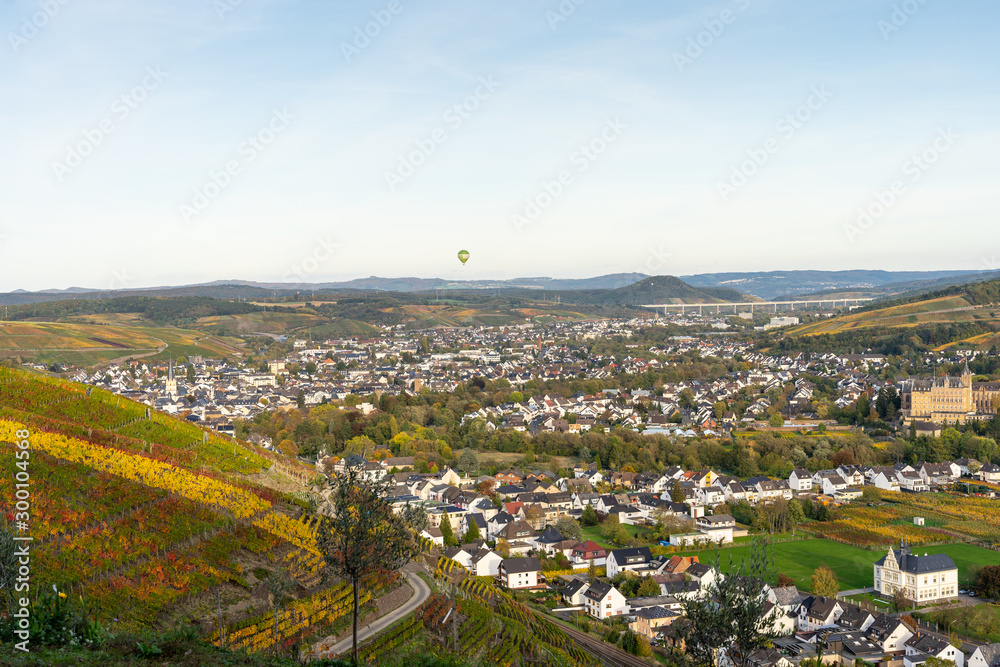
point(421, 591)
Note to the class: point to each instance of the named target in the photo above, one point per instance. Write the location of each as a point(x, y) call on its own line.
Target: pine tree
point(677, 493)
point(446, 531)
point(472, 534)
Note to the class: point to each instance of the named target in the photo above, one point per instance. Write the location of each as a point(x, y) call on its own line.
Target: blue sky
point(175, 142)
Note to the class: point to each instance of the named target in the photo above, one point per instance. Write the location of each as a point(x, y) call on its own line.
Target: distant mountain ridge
point(761, 284)
point(773, 284)
point(655, 290)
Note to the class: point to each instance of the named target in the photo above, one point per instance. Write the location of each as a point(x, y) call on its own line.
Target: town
point(630, 540)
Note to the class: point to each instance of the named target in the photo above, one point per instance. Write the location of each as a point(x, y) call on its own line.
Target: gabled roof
point(575, 587)
point(925, 564)
point(598, 591)
point(516, 565)
point(990, 654)
point(635, 555)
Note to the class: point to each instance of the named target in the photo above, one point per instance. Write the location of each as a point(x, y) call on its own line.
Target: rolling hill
point(146, 517)
point(655, 290)
point(777, 285)
point(975, 306)
point(80, 343)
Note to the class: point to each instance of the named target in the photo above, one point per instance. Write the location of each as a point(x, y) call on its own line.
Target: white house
point(710, 495)
point(885, 481)
point(989, 473)
point(518, 573)
point(889, 632)
point(818, 612)
point(922, 579)
point(911, 481)
point(718, 527)
point(920, 647)
point(485, 563)
point(434, 535)
point(602, 600)
point(834, 484)
point(574, 592)
point(800, 480)
point(629, 560)
point(987, 655)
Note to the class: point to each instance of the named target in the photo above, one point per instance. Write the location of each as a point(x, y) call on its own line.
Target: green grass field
point(853, 565)
point(594, 533)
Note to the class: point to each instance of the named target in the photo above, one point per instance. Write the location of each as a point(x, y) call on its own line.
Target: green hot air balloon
point(463, 256)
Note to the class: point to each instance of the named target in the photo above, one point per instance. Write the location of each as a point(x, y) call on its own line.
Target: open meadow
point(853, 565)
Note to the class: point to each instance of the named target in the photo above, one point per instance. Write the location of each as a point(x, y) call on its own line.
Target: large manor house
point(921, 579)
point(953, 400)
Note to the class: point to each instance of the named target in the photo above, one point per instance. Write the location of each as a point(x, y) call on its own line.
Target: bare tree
point(364, 536)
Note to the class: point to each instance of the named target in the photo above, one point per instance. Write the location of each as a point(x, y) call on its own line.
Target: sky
point(161, 143)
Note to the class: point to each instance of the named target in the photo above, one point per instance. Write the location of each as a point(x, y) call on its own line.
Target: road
point(421, 592)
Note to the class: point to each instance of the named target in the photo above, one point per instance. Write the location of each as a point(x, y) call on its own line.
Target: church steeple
point(967, 374)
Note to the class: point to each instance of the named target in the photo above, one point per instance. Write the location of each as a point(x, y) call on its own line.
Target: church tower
point(967, 405)
point(171, 383)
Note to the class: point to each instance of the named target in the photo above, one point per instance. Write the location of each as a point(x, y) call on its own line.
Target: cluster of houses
point(901, 477)
point(396, 362)
point(847, 632)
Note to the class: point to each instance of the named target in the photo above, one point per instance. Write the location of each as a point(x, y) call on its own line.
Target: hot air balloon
point(463, 256)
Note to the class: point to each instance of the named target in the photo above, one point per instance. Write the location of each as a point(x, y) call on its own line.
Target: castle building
point(922, 579)
point(948, 399)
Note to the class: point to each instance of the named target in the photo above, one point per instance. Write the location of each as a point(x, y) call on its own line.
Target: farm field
point(853, 565)
point(270, 322)
point(939, 310)
point(81, 344)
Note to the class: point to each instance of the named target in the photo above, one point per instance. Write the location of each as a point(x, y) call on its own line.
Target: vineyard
point(283, 628)
point(876, 527)
point(101, 417)
point(492, 625)
point(947, 518)
point(144, 516)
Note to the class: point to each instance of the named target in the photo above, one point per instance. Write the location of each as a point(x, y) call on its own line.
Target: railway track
point(606, 653)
